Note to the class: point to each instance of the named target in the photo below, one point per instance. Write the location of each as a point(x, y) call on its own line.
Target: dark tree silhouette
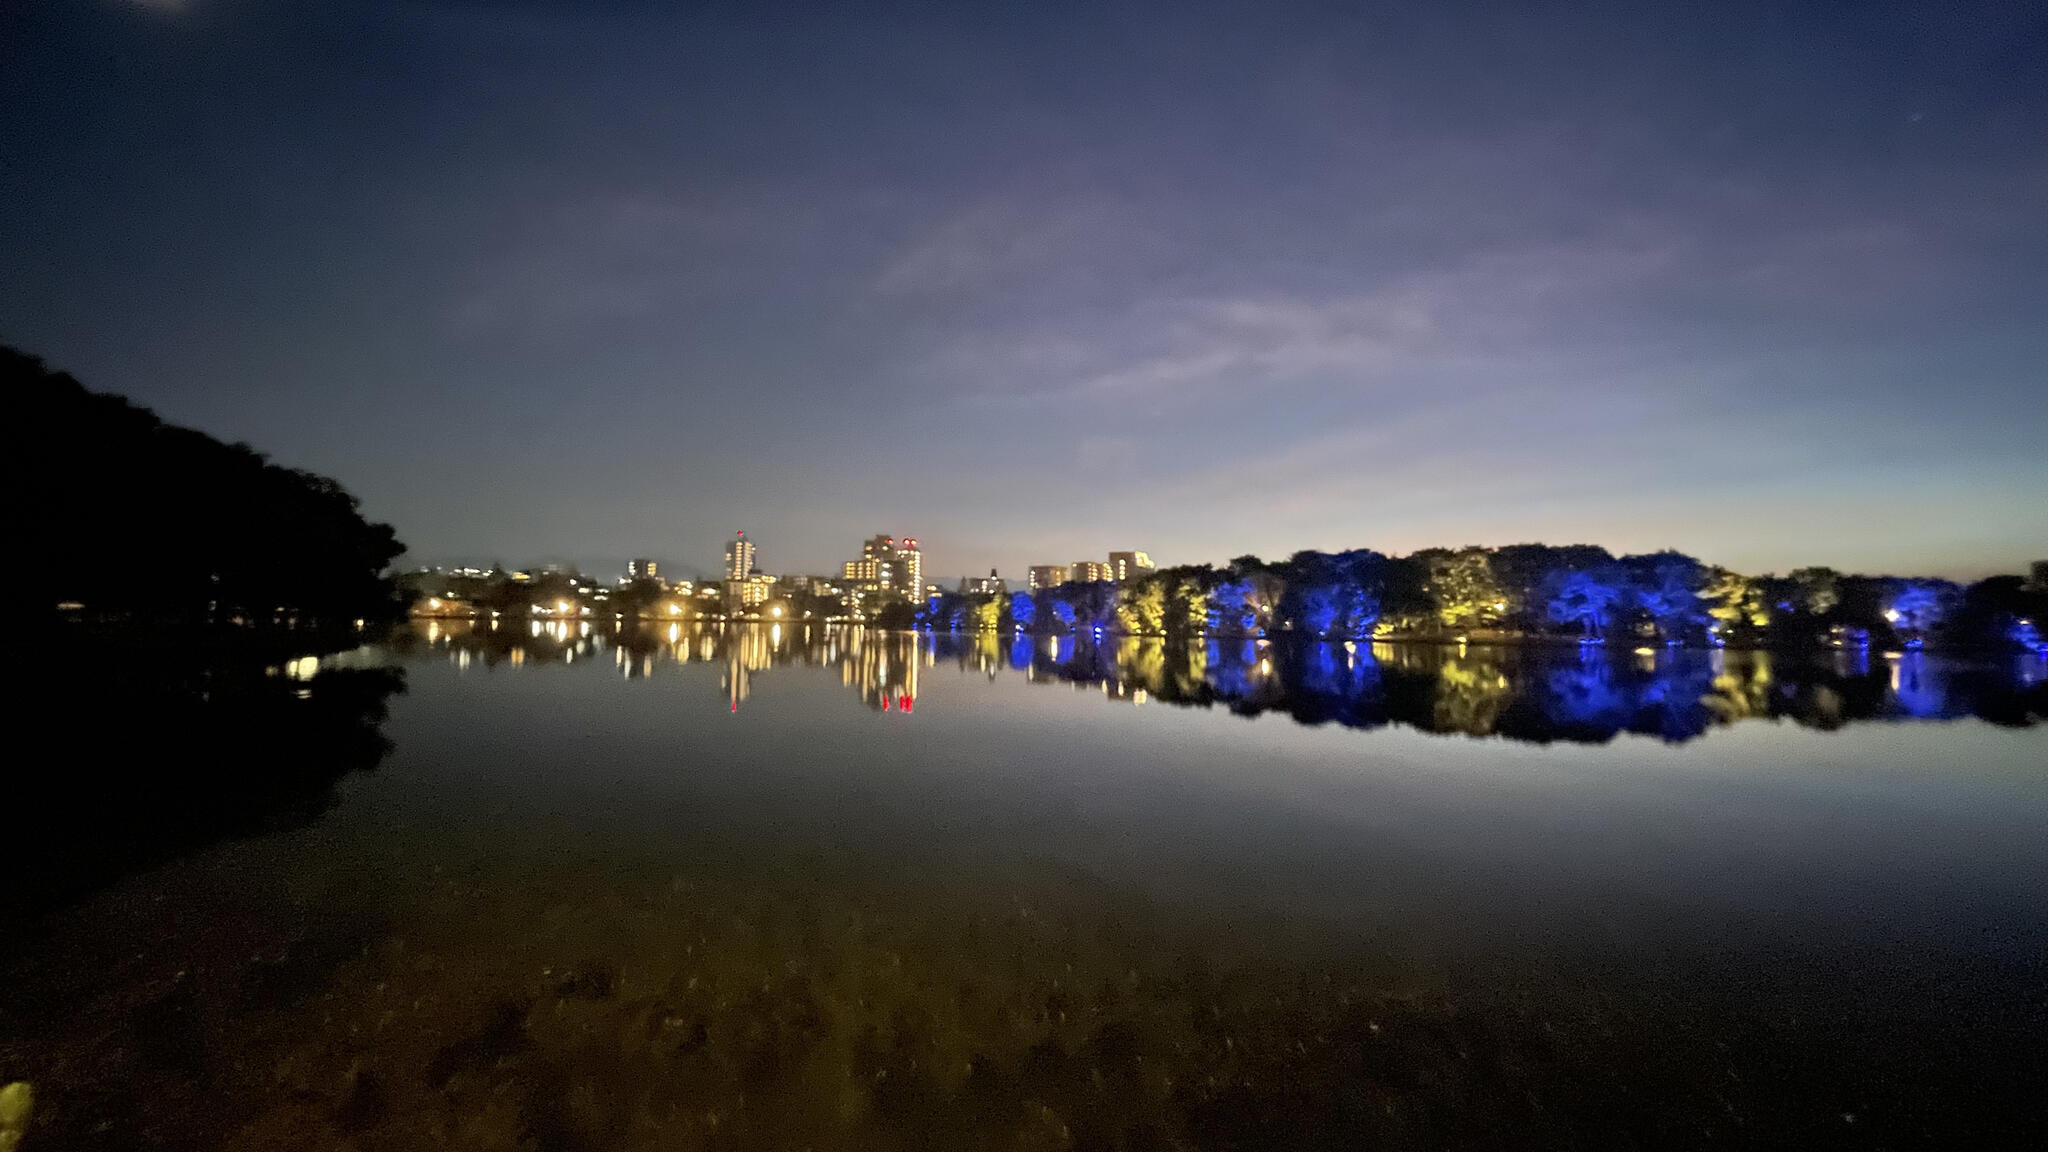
point(129, 518)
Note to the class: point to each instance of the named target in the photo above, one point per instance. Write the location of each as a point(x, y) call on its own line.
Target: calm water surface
point(762, 889)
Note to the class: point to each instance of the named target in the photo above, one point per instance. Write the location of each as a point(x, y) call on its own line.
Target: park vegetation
point(1572, 593)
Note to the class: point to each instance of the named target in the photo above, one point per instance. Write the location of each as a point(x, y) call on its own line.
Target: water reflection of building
point(748, 649)
point(882, 667)
point(1514, 693)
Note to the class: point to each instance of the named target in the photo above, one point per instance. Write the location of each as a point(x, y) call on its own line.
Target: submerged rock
point(16, 1100)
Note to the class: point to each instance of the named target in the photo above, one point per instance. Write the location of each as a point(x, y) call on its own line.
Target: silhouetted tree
point(130, 517)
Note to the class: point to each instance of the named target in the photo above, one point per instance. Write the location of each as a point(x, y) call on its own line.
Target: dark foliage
point(136, 519)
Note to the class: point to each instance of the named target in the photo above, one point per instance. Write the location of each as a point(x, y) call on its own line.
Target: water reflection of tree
point(169, 745)
point(1518, 693)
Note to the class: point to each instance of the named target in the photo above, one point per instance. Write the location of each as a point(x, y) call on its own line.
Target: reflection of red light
point(907, 701)
point(735, 705)
point(885, 703)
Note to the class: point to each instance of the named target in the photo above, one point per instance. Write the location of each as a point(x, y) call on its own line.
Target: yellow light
point(561, 605)
point(775, 611)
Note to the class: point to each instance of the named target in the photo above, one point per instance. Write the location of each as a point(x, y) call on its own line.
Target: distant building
point(739, 557)
point(913, 563)
point(2039, 583)
point(787, 586)
point(1088, 571)
point(989, 585)
point(755, 589)
point(886, 566)
point(643, 570)
point(1129, 566)
point(1045, 576)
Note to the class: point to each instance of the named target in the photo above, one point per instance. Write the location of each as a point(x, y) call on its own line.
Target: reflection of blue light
point(1918, 692)
point(1229, 667)
point(1586, 696)
point(2026, 635)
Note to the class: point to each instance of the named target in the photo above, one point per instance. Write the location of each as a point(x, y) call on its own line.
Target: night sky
point(576, 282)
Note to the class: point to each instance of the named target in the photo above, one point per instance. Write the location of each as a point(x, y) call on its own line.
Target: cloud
point(1489, 313)
point(1031, 231)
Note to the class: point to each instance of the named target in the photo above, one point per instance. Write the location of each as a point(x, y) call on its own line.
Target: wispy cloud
point(1011, 235)
point(1486, 313)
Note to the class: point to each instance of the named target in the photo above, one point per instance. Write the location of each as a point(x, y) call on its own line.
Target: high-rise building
point(913, 566)
point(2040, 579)
point(643, 570)
point(1045, 576)
point(1129, 565)
point(739, 557)
point(1087, 571)
point(887, 566)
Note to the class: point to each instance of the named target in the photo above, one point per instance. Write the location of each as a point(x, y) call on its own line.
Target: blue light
point(1582, 598)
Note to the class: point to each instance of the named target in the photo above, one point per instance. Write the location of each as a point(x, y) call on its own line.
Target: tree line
point(1574, 592)
point(128, 518)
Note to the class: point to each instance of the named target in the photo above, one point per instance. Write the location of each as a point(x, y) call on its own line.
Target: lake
point(750, 887)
